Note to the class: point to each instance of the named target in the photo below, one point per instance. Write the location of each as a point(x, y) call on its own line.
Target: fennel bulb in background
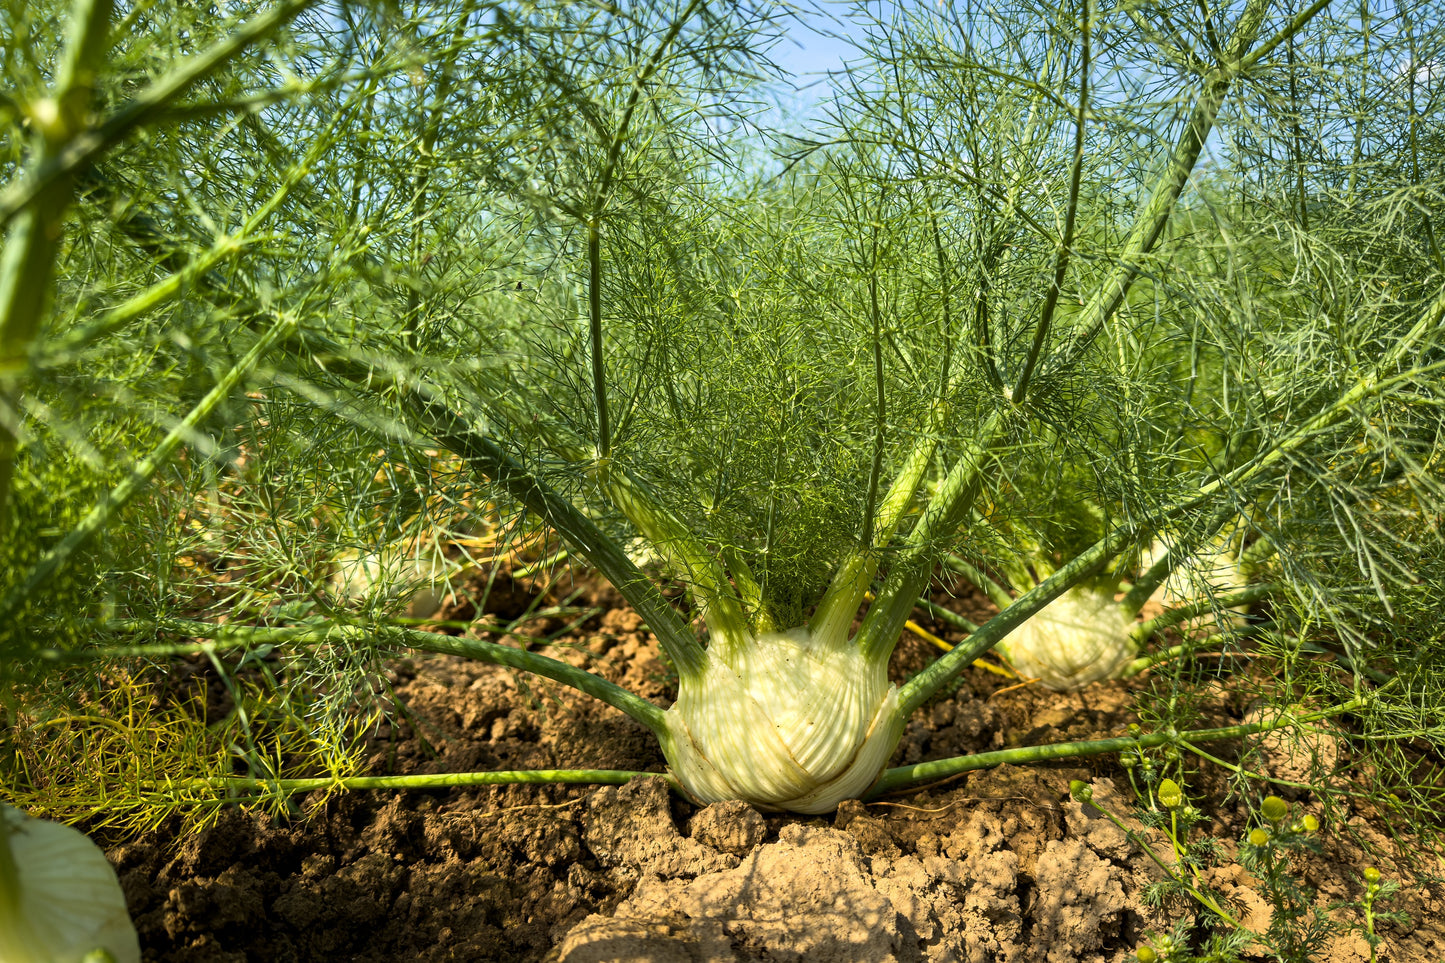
point(418, 572)
point(1079, 638)
point(1215, 569)
point(60, 900)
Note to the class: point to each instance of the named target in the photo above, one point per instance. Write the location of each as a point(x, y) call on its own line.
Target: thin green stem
point(222, 637)
point(866, 537)
point(450, 780)
point(945, 298)
point(1147, 662)
point(903, 777)
point(634, 96)
point(594, 225)
point(1184, 743)
point(1179, 852)
point(150, 103)
point(1146, 630)
point(980, 580)
point(594, 327)
point(1066, 243)
point(942, 614)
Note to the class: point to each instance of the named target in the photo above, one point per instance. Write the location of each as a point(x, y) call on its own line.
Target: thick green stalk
point(140, 474)
point(1150, 224)
point(834, 614)
point(941, 614)
point(687, 557)
point(1369, 386)
point(913, 569)
point(486, 456)
point(33, 242)
point(885, 619)
point(637, 708)
point(912, 575)
point(904, 777)
point(1296, 24)
point(1178, 550)
point(1151, 578)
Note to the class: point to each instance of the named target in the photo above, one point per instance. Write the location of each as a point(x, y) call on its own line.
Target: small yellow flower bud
point(1311, 824)
point(1146, 954)
point(1259, 837)
point(1170, 795)
point(1274, 808)
point(1372, 876)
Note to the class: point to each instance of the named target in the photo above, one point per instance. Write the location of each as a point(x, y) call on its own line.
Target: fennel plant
point(410, 262)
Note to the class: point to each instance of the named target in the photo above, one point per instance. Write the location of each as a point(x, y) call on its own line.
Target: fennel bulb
point(1080, 637)
point(60, 901)
point(411, 570)
point(786, 720)
point(1215, 569)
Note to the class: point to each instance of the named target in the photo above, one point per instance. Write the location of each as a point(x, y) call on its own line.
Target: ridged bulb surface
point(65, 899)
point(1079, 638)
point(793, 725)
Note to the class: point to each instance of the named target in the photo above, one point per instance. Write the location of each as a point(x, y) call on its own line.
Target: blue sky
point(812, 48)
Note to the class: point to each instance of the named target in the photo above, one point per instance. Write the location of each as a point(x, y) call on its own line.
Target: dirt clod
point(729, 827)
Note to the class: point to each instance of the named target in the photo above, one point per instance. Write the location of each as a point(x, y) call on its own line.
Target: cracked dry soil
point(999, 866)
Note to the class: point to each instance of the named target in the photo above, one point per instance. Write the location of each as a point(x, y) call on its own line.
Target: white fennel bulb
point(60, 901)
point(1212, 571)
point(1081, 637)
point(792, 724)
point(418, 572)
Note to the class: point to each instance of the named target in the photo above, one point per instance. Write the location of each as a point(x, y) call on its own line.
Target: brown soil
point(1001, 865)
